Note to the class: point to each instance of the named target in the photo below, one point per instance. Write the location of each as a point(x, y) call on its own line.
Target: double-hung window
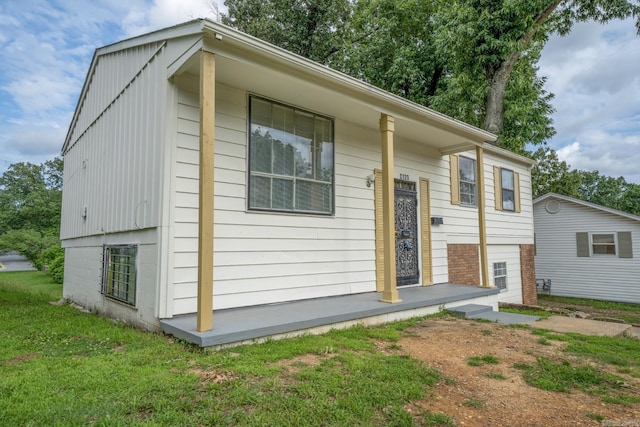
point(291, 159)
point(603, 244)
point(508, 190)
point(119, 272)
point(500, 275)
point(467, 181)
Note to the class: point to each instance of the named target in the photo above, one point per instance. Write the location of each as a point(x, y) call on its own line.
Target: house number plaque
point(404, 177)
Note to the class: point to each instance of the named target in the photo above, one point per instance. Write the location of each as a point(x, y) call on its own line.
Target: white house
point(587, 250)
point(205, 169)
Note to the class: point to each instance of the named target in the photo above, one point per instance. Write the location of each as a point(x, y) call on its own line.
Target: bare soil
point(472, 398)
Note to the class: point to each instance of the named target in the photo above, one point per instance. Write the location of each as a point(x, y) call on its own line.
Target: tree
point(602, 190)
point(392, 47)
point(31, 197)
point(489, 38)
point(551, 175)
point(315, 29)
point(30, 204)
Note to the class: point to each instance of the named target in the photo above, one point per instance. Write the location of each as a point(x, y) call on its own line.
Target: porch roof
point(241, 325)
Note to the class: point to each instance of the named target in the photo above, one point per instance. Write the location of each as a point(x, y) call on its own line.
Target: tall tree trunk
point(494, 107)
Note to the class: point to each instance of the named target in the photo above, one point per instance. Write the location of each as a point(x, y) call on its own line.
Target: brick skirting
point(464, 264)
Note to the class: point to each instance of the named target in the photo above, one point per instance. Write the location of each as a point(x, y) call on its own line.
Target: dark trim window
point(500, 275)
point(291, 159)
point(508, 190)
point(119, 272)
point(467, 181)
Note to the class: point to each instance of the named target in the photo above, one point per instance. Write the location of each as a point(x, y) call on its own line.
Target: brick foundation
point(464, 264)
point(528, 275)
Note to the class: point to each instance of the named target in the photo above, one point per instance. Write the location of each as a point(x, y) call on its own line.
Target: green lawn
point(64, 367)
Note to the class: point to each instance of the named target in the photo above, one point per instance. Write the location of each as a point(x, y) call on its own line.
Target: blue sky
point(46, 48)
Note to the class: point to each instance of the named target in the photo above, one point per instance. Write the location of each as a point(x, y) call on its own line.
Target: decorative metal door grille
point(406, 223)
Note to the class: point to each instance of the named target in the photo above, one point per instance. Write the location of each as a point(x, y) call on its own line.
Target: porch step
point(485, 312)
point(469, 310)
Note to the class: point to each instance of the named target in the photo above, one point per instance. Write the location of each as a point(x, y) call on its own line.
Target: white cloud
point(164, 13)
point(593, 74)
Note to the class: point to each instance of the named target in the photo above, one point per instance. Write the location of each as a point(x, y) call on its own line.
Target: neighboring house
point(205, 169)
point(587, 250)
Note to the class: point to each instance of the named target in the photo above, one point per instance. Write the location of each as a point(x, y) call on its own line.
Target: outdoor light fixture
point(370, 180)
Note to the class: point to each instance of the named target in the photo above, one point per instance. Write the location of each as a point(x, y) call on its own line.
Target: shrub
point(56, 268)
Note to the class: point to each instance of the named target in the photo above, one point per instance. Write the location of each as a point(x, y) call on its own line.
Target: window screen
point(291, 159)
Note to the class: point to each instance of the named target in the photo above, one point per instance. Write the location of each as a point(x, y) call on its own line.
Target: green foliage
point(30, 205)
point(31, 196)
point(482, 360)
point(495, 376)
point(315, 29)
point(551, 175)
point(30, 243)
point(564, 377)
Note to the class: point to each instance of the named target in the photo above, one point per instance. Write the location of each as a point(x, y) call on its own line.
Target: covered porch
point(247, 325)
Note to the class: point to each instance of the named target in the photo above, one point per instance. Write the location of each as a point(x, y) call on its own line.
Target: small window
point(603, 244)
point(291, 159)
point(467, 181)
point(500, 275)
point(508, 190)
point(119, 272)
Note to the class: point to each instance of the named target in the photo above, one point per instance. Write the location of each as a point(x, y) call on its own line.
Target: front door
point(406, 219)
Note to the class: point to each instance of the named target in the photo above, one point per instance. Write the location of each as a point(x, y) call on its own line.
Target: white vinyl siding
point(262, 257)
point(509, 257)
point(113, 166)
point(573, 270)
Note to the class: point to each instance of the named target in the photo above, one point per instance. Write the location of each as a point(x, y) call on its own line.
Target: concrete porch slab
point(244, 325)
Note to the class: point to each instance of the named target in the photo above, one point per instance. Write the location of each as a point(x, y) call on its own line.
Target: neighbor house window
point(467, 181)
point(603, 244)
point(500, 275)
point(291, 159)
point(508, 190)
point(119, 272)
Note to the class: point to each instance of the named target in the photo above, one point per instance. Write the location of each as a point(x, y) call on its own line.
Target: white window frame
point(296, 182)
point(119, 273)
point(614, 245)
point(500, 272)
point(474, 195)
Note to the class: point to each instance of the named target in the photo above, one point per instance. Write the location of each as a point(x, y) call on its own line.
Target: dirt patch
point(294, 365)
point(21, 358)
point(212, 376)
point(496, 394)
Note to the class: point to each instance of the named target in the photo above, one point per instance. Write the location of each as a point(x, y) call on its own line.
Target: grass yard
point(64, 367)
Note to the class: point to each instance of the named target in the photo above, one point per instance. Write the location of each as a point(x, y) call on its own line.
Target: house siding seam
point(464, 264)
point(528, 272)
